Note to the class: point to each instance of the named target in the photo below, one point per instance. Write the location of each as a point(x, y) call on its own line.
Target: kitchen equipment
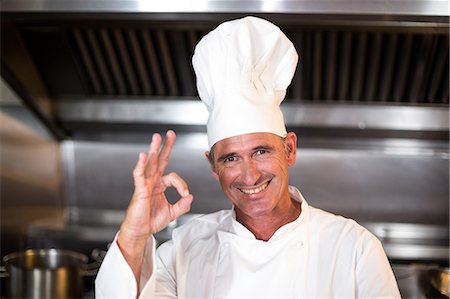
point(439, 279)
point(432, 280)
point(46, 273)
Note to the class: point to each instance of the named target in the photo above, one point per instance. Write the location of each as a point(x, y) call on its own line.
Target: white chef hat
point(243, 68)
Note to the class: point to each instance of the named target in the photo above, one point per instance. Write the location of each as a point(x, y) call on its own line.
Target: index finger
point(164, 155)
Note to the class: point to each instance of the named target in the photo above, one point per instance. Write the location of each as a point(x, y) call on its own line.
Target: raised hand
point(149, 210)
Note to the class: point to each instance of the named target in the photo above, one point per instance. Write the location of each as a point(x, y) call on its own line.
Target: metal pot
point(46, 273)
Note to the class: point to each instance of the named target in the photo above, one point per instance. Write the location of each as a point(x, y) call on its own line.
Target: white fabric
point(319, 255)
point(243, 68)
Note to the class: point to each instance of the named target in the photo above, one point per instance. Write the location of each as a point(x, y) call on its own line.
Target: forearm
point(115, 278)
point(133, 250)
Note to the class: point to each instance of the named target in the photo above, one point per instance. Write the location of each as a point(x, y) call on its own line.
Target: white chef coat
point(319, 255)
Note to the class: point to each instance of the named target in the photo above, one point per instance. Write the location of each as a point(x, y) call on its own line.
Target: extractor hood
point(83, 66)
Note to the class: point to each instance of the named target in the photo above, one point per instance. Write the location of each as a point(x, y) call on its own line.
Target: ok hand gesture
point(149, 210)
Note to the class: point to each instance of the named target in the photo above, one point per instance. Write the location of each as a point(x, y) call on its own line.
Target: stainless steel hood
point(416, 7)
point(77, 63)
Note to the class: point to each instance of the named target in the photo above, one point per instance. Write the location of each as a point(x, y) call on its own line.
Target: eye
point(260, 152)
point(230, 159)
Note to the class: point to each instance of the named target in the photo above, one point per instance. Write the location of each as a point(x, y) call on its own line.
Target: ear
point(291, 148)
point(213, 168)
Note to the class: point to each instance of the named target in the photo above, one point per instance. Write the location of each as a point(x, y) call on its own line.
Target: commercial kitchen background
point(84, 85)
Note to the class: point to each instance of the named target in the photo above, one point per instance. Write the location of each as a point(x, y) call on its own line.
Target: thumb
point(182, 206)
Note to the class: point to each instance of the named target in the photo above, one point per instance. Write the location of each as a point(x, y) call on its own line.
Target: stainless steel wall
point(373, 184)
point(30, 176)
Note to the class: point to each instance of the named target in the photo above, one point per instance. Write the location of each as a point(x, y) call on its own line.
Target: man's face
point(253, 171)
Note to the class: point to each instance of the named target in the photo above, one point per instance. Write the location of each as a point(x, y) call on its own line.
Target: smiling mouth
point(254, 190)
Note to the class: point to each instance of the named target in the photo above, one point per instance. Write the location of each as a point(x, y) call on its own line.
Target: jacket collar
point(231, 227)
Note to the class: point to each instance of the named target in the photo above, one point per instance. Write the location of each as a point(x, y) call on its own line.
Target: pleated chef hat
point(243, 68)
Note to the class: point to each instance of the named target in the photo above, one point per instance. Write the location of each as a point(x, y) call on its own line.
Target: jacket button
point(299, 244)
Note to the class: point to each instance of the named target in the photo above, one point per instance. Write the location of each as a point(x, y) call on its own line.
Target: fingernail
point(186, 193)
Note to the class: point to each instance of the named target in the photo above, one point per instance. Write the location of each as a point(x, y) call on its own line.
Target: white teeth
point(256, 190)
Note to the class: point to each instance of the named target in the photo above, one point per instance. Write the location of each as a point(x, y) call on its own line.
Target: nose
point(250, 172)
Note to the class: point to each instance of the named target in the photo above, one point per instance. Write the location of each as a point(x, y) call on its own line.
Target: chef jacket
point(318, 255)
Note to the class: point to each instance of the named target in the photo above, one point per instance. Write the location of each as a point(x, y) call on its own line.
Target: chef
point(272, 244)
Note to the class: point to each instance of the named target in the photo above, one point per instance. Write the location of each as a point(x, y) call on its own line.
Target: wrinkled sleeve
point(162, 283)
point(115, 278)
point(374, 275)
